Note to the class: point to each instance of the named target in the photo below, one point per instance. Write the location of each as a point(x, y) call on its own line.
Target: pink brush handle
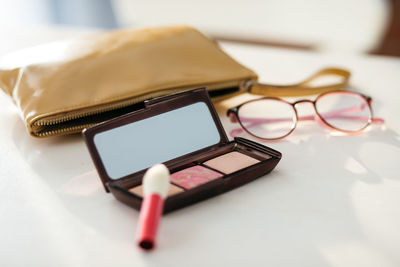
point(150, 214)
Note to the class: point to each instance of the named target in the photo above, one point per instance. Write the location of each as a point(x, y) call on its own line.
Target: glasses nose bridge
point(304, 101)
point(299, 113)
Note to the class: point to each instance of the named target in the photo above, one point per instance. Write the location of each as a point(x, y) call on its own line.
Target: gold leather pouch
point(64, 87)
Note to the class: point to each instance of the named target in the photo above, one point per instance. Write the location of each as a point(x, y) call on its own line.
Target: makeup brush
point(155, 189)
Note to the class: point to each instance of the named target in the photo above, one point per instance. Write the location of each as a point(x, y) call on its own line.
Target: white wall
point(335, 25)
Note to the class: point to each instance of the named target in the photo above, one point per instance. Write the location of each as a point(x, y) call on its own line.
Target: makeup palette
point(183, 132)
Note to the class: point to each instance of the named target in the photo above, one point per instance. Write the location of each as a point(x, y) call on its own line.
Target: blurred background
point(334, 26)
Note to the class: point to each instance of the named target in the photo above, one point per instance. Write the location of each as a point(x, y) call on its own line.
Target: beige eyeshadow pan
point(231, 162)
point(173, 190)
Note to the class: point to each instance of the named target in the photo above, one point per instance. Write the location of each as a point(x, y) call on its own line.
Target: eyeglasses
point(272, 118)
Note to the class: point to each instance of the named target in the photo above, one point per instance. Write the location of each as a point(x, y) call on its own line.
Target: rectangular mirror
point(136, 146)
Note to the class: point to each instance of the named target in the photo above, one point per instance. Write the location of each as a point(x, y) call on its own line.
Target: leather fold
point(64, 87)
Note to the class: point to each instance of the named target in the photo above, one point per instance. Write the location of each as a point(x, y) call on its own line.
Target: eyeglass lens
point(267, 118)
point(344, 111)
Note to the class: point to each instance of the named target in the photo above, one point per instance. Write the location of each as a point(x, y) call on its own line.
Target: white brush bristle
point(156, 180)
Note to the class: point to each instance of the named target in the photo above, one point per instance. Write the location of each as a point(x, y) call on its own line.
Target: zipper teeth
point(72, 129)
point(104, 108)
point(109, 107)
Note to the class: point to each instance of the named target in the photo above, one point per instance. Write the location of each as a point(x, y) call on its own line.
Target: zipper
point(53, 125)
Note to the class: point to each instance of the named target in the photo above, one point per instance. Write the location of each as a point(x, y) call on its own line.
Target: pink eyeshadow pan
point(231, 162)
point(194, 176)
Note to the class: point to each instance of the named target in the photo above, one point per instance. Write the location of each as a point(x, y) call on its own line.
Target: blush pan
point(231, 162)
point(194, 176)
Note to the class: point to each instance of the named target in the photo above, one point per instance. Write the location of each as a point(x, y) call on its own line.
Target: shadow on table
point(331, 198)
point(64, 164)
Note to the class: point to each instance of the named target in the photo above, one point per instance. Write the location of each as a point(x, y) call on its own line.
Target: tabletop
point(331, 201)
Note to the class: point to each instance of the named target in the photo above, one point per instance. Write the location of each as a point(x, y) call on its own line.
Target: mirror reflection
point(136, 146)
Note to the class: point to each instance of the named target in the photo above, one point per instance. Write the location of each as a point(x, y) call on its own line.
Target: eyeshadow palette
point(182, 131)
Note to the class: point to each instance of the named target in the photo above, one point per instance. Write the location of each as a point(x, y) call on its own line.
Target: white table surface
point(331, 201)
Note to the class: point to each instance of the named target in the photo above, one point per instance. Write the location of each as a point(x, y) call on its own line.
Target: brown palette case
point(182, 131)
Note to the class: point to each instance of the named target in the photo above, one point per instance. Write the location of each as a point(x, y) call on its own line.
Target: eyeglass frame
point(233, 113)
